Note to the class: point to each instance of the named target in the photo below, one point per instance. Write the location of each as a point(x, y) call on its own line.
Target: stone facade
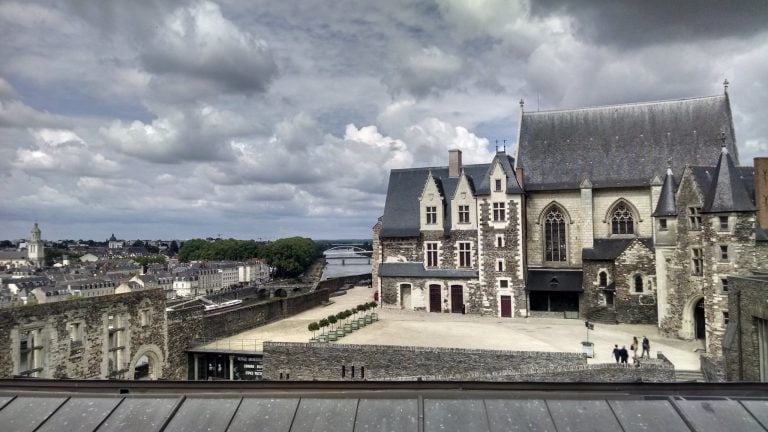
point(748, 312)
point(633, 305)
point(99, 337)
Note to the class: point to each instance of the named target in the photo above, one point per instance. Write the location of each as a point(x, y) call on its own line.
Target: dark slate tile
point(583, 416)
point(512, 415)
point(459, 415)
point(387, 415)
point(80, 414)
point(718, 415)
point(203, 414)
point(320, 415)
point(647, 415)
point(139, 414)
point(759, 409)
point(26, 413)
point(257, 414)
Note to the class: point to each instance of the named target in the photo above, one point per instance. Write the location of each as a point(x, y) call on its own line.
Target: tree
point(332, 320)
point(324, 323)
point(138, 243)
point(173, 248)
point(291, 256)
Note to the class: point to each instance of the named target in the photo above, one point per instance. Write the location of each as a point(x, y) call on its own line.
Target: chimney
point(761, 191)
point(454, 163)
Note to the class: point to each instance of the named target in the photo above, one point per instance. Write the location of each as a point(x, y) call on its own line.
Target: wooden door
point(506, 306)
point(434, 298)
point(457, 298)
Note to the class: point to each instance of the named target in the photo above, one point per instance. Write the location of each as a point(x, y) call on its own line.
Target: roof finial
point(725, 85)
point(522, 102)
point(669, 166)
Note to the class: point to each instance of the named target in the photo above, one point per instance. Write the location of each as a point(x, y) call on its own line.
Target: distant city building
point(114, 243)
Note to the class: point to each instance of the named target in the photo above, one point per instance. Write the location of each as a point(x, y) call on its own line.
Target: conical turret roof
point(727, 192)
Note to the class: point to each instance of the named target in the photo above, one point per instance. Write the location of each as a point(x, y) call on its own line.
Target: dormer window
point(463, 214)
point(498, 185)
point(431, 215)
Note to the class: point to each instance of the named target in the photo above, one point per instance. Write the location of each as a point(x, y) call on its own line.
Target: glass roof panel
point(459, 415)
point(320, 415)
point(203, 414)
point(647, 415)
point(583, 415)
point(139, 414)
point(385, 415)
point(80, 414)
point(718, 415)
point(257, 414)
point(26, 413)
point(758, 408)
point(518, 415)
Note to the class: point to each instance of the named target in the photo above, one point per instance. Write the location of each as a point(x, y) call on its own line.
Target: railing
point(249, 345)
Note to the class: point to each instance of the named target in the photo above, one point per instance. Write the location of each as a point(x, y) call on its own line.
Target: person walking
point(646, 347)
point(623, 354)
point(634, 346)
point(617, 353)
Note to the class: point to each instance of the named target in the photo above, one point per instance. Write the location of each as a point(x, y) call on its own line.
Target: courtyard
point(398, 327)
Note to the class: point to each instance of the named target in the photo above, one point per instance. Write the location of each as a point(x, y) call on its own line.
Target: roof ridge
point(628, 104)
point(436, 167)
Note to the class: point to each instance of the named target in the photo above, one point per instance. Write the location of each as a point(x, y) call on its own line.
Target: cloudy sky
point(179, 119)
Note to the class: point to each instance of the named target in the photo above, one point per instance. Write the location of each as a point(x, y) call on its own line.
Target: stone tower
point(35, 248)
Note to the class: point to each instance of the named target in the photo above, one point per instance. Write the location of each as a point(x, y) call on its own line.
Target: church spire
point(727, 192)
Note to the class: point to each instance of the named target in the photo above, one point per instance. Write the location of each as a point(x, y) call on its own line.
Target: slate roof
point(401, 210)
point(667, 205)
point(417, 270)
point(704, 177)
point(554, 280)
point(621, 145)
point(610, 249)
point(727, 192)
point(12, 255)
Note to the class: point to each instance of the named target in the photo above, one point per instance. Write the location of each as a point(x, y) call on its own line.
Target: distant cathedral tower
point(35, 248)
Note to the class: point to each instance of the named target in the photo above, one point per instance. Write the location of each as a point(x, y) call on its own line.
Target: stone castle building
point(631, 213)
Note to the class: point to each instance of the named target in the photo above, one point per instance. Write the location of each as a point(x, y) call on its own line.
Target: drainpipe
point(741, 351)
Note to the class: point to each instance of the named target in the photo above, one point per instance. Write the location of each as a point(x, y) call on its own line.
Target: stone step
point(689, 376)
point(603, 315)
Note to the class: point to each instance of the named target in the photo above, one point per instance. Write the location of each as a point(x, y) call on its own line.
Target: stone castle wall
point(64, 358)
point(632, 307)
point(747, 304)
point(303, 361)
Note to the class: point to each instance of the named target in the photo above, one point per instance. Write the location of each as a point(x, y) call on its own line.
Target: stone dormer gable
point(465, 188)
point(502, 167)
point(431, 204)
point(727, 193)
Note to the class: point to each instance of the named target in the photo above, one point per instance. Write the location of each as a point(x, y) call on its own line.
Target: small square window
point(499, 240)
point(503, 283)
point(663, 224)
point(724, 285)
point(725, 318)
point(724, 223)
point(498, 185)
point(723, 253)
point(500, 265)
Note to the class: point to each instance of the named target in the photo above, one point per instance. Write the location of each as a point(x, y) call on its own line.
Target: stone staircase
point(689, 376)
point(603, 315)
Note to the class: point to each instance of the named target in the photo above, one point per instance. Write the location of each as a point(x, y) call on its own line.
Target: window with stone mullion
point(554, 236)
point(622, 221)
point(464, 214)
point(465, 254)
point(432, 255)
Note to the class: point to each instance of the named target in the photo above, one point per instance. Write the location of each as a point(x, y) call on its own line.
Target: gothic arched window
point(554, 235)
point(622, 221)
point(638, 284)
point(603, 279)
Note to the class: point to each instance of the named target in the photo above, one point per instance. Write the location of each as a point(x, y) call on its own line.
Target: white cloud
point(198, 43)
point(426, 71)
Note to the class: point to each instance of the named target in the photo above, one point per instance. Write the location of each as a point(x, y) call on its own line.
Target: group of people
point(622, 355)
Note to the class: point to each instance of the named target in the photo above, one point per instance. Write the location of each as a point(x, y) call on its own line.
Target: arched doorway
point(146, 366)
point(699, 327)
point(281, 293)
point(405, 296)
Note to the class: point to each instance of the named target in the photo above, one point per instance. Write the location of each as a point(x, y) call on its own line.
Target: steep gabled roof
point(507, 163)
point(401, 210)
point(667, 205)
point(621, 145)
point(727, 192)
point(610, 249)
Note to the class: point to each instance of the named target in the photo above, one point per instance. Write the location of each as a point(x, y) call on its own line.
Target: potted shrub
point(347, 325)
point(368, 319)
point(322, 324)
point(353, 313)
point(341, 329)
point(313, 327)
point(332, 334)
point(374, 315)
point(361, 319)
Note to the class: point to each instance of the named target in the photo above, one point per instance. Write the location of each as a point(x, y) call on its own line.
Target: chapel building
point(632, 213)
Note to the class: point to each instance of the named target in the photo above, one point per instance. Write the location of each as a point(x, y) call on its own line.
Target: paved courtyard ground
point(396, 327)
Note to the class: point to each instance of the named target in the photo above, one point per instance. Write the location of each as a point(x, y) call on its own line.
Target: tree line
point(289, 256)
